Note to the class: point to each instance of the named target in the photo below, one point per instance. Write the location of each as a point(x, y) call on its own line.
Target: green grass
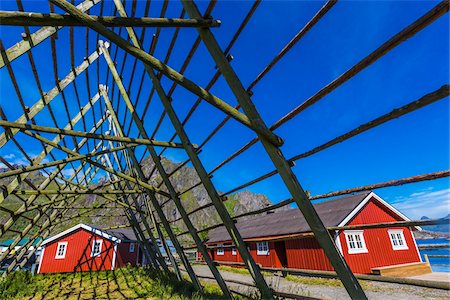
point(324, 281)
point(240, 270)
point(124, 283)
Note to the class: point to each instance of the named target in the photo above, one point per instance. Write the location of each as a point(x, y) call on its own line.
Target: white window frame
point(398, 242)
point(61, 256)
point(233, 251)
point(351, 237)
point(262, 248)
point(220, 250)
point(131, 249)
point(99, 248)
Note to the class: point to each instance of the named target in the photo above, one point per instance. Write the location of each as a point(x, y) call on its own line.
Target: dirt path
point(374, 290)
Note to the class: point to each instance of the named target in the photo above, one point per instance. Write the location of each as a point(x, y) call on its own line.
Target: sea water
point(437, 264)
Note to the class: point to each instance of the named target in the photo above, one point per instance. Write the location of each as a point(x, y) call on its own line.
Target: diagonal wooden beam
point(284, 169)
point(107, 169)
point(48, 97)
point(155, 204)
point(14, 183)
point(166, 70)
point(36, 38)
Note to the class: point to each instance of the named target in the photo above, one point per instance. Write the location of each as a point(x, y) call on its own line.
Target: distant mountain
point(186, 177)
point(444, 228)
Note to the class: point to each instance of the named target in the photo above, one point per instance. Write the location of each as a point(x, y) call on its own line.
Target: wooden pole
point(48, 97)
point(22, 18)
point(60, 162)
point(109, 170)
point(166, 70)
point(322, 235)
point(16, 181)
point(154, 201)
point(36, 38)
point(75, 192)
point(69, 132)
point(156, 158)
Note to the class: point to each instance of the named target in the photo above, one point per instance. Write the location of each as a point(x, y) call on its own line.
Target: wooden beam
point(36, 38)
point(104, 137)
point(154, 201)
point(75, 192)
point(154, 155)
point(322, 235)
point(60, 162)
point(166, 70)
point(22, 18)
point(48, 97)
point(16, 181)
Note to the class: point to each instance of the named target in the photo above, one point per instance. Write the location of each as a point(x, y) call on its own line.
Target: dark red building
point(86, 248)
point(284, 239)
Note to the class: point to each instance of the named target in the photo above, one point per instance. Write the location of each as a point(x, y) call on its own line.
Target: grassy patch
point(234, 270)
point(324, 281)
point(240, 270)
point(124, 283)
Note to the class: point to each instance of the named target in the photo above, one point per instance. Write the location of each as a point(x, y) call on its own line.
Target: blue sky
point(414, 144)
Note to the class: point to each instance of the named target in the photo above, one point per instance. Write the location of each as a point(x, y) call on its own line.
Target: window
point(355, 241)
point(397, 239)
point(262, 248)
point(61, 250)
point(220, 251)
point(131, 247)
point(96, 247)
point(233, 251)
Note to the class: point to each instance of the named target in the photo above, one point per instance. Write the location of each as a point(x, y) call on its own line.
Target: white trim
point(415, 244)
point(360, 233)
point(402, 238)
point(57, 250)
point(337, 241)
point(222, 250)
point(114, 257)
point(99, 248)
point(129, 247)
point(363, 203)
point(40, 260)
point(83, 226)
point(260, 245)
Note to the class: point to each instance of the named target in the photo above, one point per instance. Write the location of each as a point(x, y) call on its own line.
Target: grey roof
point(124, 234)
point(291, 221)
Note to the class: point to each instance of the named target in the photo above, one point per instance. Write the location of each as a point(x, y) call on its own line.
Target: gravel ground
point(374, 290)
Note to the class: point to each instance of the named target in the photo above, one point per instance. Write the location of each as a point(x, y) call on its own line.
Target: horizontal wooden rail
point(104, 137)
point(75, 192)
point(18, 18)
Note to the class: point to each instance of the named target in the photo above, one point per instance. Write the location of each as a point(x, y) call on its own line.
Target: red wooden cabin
point(284, 239)
point(86, 248)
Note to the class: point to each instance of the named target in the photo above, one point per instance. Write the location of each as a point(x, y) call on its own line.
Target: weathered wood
point(22, 18)
point(166, 70)
point(403, 270)
point(109, 170)
point(69, 132)
point(38, 216)
point(150, 194)
point(64, 161)
point(48, 97)
point(155, 157)
point(36, 38)
point(16, 181)
point(75, 192)
point(290, 180)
